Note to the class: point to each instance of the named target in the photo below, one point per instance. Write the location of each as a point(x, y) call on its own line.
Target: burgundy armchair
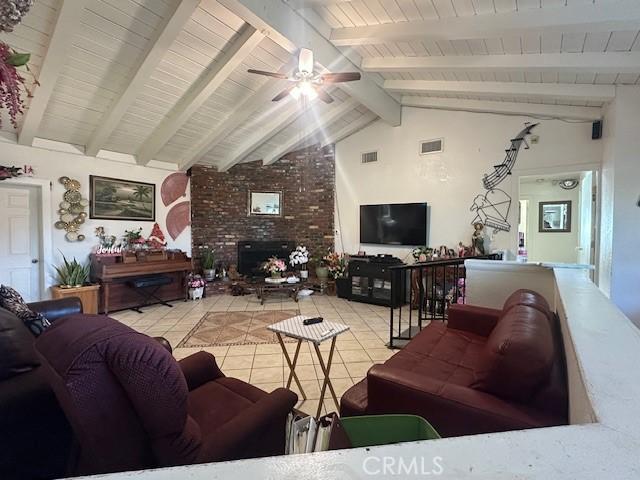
point(485, 371)
point(132, 406)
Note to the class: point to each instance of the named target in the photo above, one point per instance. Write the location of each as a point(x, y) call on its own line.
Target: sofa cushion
point(441, 353)
point(518, 356)
point(528, 298)
point(12, 301)
point(17, 354)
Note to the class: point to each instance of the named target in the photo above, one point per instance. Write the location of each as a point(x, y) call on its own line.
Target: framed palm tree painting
point(115, 199)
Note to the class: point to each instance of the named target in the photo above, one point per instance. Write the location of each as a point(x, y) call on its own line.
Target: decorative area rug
point(236, 328)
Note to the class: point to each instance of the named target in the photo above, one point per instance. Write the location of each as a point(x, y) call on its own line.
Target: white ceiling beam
point(157, 47)
point(612, 62)
point(350, 129)
point(605, 16)
point(199, 92)
point(265, 132)
point(290, 30)
point(54, 60)
point(312, 128)
point(234, 120)
point(508, 108)
point(570, 91)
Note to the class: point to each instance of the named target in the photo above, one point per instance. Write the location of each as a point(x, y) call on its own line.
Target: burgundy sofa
point(484, 371)
point(34, 433)
point(132, 406)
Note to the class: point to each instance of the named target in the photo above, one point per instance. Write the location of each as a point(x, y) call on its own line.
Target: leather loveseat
point(484, 371)
point(35, 436)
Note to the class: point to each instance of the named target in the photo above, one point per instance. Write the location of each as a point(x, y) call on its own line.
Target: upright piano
point(115, 277)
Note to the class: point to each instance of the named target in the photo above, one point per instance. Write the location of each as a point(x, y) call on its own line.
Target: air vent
point(369, 157)
point(431, 146)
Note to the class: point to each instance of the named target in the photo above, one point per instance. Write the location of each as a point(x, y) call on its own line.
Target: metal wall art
point(72, 210)
point(502, 171)
point(492, 208)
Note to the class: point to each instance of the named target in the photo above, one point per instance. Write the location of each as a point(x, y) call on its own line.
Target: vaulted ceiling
point(167, 81)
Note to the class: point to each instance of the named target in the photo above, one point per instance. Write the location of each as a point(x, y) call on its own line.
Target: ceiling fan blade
point(324, 96)
point(282, 94)
point(340, 77)
point(305, 60)
point(281, 76)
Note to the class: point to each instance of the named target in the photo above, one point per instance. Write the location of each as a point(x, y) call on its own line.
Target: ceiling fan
point(307, 83)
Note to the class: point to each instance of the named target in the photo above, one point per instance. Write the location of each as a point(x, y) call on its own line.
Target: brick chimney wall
point(219, 211)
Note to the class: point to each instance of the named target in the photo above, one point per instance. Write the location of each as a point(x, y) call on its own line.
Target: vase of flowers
point(337, 267)
point(300, 256)
point(422, 254)
point(196, 287)
point(275, 267)
point(208, 261)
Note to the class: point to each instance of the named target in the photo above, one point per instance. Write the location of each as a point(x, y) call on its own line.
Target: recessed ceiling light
point(568, 183)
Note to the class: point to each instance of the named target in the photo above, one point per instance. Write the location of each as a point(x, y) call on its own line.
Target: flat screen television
point(394, 224)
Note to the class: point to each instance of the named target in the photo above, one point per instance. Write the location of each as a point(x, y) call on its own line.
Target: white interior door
point(20, 240)
point(586, 219)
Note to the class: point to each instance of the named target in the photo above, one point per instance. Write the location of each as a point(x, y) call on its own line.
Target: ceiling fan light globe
point(296, 92)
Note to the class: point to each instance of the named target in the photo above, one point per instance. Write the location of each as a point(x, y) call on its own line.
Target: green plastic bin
point(370, 430)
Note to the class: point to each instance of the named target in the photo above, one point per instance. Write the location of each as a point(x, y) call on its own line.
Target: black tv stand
point(370, 280)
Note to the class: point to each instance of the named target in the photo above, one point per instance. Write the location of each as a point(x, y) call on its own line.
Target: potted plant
point(196, 286)
point(72, 274)
point(300, 256)
point(275, 267)
point(208, 262)
point(322, 272)
point(337, 266)
point(72, 282)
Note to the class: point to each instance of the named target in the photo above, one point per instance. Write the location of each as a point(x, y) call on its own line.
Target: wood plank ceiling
point(166, 80)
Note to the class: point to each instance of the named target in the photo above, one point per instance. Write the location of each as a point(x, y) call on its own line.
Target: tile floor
point(264, 365)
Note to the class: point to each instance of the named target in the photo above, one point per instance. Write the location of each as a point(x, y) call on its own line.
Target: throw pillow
point(12, 301)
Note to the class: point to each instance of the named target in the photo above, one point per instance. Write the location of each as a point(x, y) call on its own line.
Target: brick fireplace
point(220, 203)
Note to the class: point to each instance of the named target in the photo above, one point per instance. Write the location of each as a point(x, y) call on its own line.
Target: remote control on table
point(311, 321)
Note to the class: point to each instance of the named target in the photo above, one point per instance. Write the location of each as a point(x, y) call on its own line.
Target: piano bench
point(147, 287)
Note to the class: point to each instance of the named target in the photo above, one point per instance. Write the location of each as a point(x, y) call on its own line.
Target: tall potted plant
point(208, 261)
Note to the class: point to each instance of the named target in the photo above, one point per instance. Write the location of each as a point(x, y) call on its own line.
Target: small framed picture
point(554, 216)
point(265, 203)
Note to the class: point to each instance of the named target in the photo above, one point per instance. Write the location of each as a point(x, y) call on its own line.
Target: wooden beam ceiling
point(508, 108)
point(312, 128)
point(350, 129)
point(569, 91)
point(611, 62)
point(286, 27)
point(156, 49)
point(54, 60)
point(199, 92)
point(604, 16)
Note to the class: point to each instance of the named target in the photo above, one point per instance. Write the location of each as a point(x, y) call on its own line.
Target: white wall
point(620, 265)
point(51, 165)
point(551, 246)
point(473, 143)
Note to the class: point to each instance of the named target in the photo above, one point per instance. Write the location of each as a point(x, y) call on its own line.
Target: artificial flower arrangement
point(12, 83)
point(422, 254)
point(336, 263)
point(274, 266)
point(134, 238)
point(195, 281)
point(300, 256)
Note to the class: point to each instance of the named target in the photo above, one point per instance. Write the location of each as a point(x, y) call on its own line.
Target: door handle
point(34, 260)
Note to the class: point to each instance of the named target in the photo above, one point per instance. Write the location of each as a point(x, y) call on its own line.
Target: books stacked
point(306, 434)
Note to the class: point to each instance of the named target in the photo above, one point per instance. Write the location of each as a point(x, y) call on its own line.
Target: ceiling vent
point(431, 146)
point(369, 157)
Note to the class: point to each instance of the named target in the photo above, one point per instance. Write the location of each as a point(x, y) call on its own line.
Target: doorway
point(557, 221)
point(21, 240)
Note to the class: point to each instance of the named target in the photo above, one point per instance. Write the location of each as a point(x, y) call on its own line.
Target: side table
point(316, 334)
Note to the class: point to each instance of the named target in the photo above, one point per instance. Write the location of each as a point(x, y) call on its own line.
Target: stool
point(147, 287)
